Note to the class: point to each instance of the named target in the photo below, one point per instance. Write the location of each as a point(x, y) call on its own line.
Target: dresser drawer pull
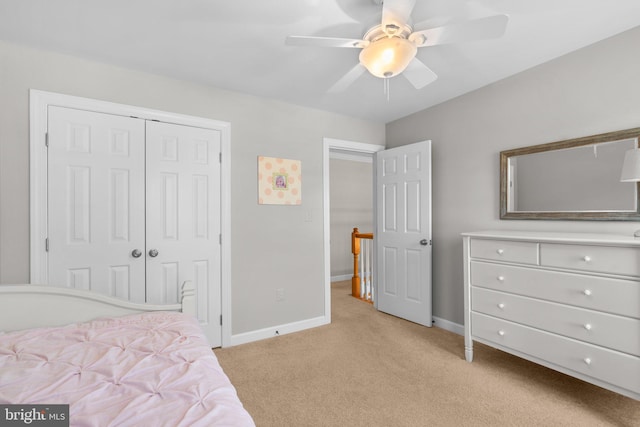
point(587, 326)
point(501, 306)
point(587, 292)
point(500, 251)
point(501, 333)
point(586, 258)
point(500, 278)
point(587, 360)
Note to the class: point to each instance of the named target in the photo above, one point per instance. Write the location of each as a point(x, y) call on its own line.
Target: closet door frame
point(39, 102)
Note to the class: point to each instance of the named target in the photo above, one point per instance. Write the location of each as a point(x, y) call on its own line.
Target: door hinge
point(220, 238)
point(46, 244)
point(430, 244)
point(220, 156)
point(221, 320)
point(46, 139)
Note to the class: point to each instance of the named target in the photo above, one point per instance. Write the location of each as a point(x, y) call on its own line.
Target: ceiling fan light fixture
point(388, 56)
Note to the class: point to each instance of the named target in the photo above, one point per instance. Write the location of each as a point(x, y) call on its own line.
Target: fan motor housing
point(379, 31)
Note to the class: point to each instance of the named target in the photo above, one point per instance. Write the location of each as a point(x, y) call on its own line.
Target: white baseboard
point(289, 328)
point(341, 278)
point(275, 331)
point(447, 325)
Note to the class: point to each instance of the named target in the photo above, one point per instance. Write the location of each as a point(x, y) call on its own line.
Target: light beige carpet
point(370, 369)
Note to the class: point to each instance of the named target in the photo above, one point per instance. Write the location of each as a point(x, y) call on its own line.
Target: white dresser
point(567, 301)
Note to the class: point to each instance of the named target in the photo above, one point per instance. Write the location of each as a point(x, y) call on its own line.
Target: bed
point(115, 363)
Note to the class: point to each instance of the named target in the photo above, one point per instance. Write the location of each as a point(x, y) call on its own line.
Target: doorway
point(345, 147)
point(402, 215)
point(351, 204)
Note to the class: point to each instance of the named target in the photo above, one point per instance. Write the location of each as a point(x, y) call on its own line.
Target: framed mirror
point(575, 179)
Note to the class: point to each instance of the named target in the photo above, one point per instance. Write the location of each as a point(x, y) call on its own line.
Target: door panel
point(414, 274)
point(403, 186)
point(389, 271)
point(413, 207)
point(96, 202)
point(183, 219)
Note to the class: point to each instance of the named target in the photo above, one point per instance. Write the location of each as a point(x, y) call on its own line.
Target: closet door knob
point(501, 333)
point(136, 253)
point(501, 305)
point(587, 360)
point(586, 258)
point(153, 253)
point(587, 326)
point(587, 292)
point(500, 251)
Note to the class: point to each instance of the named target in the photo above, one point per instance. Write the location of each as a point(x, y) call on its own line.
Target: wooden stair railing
point(361, 286)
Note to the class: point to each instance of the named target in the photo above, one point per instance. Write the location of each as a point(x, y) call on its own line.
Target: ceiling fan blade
point(325, 42)
point(477, 29)
point(397, 12)
point(418, 74)
point(348, 79)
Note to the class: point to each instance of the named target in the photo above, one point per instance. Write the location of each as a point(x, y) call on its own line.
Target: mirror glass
point(573, 179)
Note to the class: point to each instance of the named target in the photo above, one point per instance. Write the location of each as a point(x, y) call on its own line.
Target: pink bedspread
point(152, 369)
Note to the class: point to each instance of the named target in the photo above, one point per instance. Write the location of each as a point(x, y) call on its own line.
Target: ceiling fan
point(390, 48)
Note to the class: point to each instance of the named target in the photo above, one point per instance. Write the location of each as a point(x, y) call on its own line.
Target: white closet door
point(183, 218)
point(96, 202)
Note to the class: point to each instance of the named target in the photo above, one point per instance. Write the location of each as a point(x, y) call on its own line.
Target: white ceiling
point(239, 44)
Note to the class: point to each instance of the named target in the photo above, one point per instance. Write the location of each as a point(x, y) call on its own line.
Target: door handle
point(424, 242)
point(136, 253)
point(153, 253)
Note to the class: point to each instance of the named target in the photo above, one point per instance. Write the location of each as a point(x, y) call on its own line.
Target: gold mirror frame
point(566, 215)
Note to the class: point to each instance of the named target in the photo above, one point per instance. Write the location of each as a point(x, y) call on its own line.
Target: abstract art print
point(279, 181)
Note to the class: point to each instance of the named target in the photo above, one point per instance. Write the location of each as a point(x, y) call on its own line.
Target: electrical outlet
point(280, 294)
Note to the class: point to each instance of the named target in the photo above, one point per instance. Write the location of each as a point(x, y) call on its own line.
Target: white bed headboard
point(33, 306)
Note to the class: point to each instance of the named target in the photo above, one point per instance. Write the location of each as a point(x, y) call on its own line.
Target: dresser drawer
point(616, 296)
point(606, 365)
point(602, 259)
point(502, 250)
point(585, 325)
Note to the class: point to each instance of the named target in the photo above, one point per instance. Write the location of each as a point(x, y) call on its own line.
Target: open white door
point(403, 232)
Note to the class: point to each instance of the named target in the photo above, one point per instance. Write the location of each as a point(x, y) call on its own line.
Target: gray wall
point(272, 246)
point(351, 202)
point(591, 91)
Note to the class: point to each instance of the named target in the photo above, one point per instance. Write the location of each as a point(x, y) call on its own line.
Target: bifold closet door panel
point(183, 215)
point(96, 197)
